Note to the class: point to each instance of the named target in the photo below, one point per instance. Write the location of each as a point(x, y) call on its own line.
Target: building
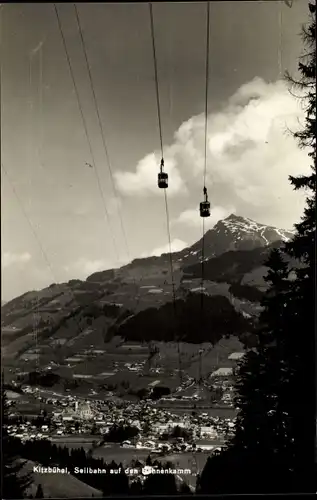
point(206, 447)
point(208, 431)
point(235, 356)
point(161, 427)
point(222, 372)
point(85, 411)
point(67, 418)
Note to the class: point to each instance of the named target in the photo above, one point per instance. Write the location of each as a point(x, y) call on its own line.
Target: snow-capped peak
point(237, 224)
point(235, 233)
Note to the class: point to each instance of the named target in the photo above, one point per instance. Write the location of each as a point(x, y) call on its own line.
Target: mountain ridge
point(232, 233)
point(238, 233)
point(236, 249)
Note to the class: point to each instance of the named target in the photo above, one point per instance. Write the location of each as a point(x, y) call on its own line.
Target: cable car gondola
point(205, 206)
point(162, 180)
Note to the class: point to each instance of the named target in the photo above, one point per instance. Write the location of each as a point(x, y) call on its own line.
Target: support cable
point(156, 79)
point(106, 151)
point(86, 130)
point(115, 192)
point(43, 252)
point(165, 194)
point(205, 172)
point(280, 44)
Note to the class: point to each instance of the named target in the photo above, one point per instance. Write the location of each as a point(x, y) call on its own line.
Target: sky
point(63, 219)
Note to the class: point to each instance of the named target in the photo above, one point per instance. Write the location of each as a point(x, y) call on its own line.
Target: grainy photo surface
point(158, 218)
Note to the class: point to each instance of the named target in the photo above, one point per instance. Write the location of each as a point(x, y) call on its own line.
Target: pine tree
point(303, 247)
point(115, 483)
point(254, 454)
point(185, 489)
point(39, 492)
point(136, 488)
point(273, 446)
point(160, 484)
point(15, 483)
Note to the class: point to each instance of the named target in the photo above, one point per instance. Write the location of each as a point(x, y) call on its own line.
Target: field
point(73, 442)
point(101, 367)
point(125, 455)
point(212, 412)
point(166, 361)
point(118, 454)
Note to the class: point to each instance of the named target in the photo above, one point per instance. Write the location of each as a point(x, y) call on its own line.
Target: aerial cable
point(205, 169)
point(40, 103)
point(31, 106)
point(206, 90)
point(116, 194)
point(156, 80)
point(29, 222)
point(86, 131)
point(41, 94)
point(161, 144)
point(280, 44)
point(39, 146)
point(162, 164)
point(206, 138)
point(173, 282)
point(33, 230)
point(39, 113)
point(35, 303)
point(170, 246)
point(103, 136)
point(36, 315)
point(36, 323)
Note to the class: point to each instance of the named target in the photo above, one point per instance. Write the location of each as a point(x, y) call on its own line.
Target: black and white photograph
point(158, 223)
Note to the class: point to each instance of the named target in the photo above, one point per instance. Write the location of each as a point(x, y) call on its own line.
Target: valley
point(84, 357)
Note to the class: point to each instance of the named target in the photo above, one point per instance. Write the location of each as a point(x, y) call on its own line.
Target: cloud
point(251, 153)
point(83, 267)
point(176, 245)
point(144, 180)
point(8, 259)
point(191, 217)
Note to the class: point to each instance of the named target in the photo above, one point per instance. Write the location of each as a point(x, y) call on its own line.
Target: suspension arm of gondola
point(162, 165)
